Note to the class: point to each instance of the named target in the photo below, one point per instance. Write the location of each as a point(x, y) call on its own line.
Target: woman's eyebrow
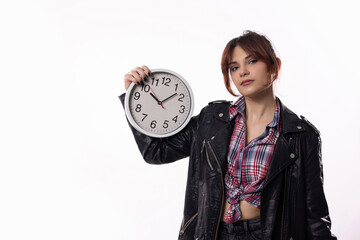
point(235, 62)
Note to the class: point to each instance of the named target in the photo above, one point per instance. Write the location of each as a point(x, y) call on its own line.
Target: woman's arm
point(164, 150)
point(158, 150)
point(319, 223)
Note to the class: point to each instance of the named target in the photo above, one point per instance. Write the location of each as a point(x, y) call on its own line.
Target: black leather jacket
point(293, 204)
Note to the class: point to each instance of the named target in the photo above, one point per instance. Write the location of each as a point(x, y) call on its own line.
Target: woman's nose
point(244, 72)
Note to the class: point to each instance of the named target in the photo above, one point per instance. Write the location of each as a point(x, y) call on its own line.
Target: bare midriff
point(248, 211)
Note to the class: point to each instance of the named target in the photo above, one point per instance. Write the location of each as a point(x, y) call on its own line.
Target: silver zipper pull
point(203, 145)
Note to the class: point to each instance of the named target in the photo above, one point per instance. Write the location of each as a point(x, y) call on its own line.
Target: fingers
point(140, 73)
point(128, 80)
point(146, 70)
point(137, 76)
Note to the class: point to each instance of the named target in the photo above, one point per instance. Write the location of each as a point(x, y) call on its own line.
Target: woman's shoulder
point(301, 123)
point(220, 102)
point(216, 106)
point(310, 125)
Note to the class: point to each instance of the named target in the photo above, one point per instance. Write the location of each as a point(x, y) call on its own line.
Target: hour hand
point(168, 98)
point(157, 100)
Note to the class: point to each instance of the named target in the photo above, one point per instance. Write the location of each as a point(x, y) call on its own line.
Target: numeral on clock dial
point(166, 81)
point(136, 95)
point(166, 125)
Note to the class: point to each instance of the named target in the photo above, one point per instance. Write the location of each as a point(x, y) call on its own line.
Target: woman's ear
point(271, 77)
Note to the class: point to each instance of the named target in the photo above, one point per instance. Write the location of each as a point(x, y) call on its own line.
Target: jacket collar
point(290, 122)
point(283, 154)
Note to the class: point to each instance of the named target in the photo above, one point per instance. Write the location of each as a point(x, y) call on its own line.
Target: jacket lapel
point(284, 154)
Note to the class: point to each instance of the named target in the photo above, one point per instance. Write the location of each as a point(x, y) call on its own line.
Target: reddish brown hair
point(258, 46)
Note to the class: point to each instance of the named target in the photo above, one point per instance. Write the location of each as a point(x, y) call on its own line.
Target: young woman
point(255, 169)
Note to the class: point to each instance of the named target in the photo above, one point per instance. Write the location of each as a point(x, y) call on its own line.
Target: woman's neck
point(260, 108)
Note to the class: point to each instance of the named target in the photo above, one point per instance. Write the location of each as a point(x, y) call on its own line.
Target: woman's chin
point(255, 93)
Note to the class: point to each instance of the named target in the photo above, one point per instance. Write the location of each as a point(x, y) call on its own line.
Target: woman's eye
point(253, 61)
point(234, 68)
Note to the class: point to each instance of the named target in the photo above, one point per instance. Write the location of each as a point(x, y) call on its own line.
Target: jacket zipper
point(222, 183)
point(203, 145)
point(283, 208)
point(207, 155)
point(182, 231)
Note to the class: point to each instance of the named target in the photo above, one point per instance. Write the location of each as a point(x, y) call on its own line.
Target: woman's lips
point(246, 82)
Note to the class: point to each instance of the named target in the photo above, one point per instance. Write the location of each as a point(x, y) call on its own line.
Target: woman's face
point(249, 75)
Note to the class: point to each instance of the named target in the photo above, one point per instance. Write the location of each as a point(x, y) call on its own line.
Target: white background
point(69, 167)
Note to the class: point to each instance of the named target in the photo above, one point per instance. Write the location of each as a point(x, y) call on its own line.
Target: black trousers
point(241, 230)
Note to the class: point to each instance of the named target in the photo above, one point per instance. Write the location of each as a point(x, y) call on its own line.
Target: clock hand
point(154, 96)
point(168, 98)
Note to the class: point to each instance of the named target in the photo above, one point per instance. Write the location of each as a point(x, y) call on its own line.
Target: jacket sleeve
point(164, 150)
point(319, 222)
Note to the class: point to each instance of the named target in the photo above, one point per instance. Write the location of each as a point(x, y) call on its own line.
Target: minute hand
point(168, 98)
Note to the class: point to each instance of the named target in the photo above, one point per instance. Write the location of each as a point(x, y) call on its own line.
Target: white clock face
point(161, 107)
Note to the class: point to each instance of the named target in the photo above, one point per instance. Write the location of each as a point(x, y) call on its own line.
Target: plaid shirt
point(248, 164)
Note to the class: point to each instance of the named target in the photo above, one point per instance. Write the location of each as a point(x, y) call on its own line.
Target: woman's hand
point(137, 76)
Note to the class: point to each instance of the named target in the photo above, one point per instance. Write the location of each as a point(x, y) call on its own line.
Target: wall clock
point(162, 106)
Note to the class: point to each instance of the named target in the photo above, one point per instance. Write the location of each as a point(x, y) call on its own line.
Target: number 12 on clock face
point(161, 107)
